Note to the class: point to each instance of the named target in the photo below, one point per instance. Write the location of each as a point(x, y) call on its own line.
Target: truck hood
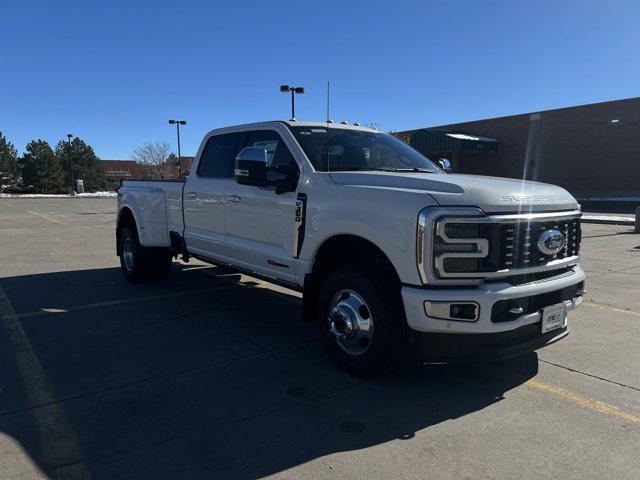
point(491, 194)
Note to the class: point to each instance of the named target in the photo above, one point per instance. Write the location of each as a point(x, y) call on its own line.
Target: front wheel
point(360, 321)
point(141, 263)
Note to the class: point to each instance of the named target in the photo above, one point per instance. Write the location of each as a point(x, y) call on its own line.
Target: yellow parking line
point(46, 217)
point(613, 309)
point(585, 402)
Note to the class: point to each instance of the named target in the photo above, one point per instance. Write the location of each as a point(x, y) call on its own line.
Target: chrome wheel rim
point(350, 322)
point(127, 253)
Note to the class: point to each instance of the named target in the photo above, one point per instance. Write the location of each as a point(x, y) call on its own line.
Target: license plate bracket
point(553, 317)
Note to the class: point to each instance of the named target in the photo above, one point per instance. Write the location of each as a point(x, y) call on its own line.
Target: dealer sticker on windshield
point(553, 317)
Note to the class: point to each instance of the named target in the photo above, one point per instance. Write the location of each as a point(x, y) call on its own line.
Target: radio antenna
point(328, 117)
point(326, 147)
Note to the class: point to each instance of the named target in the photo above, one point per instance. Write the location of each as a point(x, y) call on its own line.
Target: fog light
point(461, 311)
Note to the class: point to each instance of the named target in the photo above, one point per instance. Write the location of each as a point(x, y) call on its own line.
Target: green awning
point(438, 141)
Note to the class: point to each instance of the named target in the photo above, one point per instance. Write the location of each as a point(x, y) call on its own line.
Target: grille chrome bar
point(552, 265)
point(533, 217)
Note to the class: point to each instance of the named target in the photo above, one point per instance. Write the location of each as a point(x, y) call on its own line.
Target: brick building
point(591, 150)
point(117, 171)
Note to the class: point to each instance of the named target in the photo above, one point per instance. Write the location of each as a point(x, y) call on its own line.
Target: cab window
point(219, 156)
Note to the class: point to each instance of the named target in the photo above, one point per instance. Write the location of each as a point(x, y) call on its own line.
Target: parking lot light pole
point(293, 90)
point(177, 124)
point(73, 180)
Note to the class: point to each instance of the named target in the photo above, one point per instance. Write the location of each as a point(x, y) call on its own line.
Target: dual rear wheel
point(139, 263)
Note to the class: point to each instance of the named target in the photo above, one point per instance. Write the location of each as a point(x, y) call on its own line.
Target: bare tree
point(395, 133)
point(155, 156)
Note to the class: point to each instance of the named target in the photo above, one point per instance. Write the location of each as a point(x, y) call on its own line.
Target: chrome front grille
point(518, 242)
point(464, 245)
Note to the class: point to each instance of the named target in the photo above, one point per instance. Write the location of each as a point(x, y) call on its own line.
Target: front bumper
point(441, 347)
point(492, 332)
point(563, 288)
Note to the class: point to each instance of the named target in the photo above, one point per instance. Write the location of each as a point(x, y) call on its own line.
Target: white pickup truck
point(388, 249)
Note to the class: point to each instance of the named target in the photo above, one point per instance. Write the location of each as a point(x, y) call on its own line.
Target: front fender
point(389, 221)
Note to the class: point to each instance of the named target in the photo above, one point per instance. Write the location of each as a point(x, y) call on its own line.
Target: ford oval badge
point(551, 242)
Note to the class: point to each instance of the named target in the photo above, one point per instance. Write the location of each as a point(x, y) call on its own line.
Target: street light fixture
point(293, 90)
point(73, 180)
point(177, 123)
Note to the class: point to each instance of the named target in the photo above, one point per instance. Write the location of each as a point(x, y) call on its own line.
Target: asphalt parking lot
point(211, 374)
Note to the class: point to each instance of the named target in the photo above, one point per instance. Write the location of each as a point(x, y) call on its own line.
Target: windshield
point(339, 149)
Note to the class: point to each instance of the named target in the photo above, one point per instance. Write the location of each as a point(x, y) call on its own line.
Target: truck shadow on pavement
point(204, 375)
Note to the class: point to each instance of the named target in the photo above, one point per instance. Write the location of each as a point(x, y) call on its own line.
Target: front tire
point(360, 321)
point(139, 263)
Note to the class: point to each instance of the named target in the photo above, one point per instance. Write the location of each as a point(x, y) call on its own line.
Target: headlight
point(463, 247)
point(448, 240)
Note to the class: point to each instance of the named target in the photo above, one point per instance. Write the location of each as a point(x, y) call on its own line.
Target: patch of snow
point(98, 194)
point(54, 195)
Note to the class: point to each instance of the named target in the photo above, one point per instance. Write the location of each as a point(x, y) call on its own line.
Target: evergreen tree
point(86, 165)
point(9, 168)
point(41, 169)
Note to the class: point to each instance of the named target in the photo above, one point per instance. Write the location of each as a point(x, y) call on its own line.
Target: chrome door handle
point(234, 198)
point(191, 195)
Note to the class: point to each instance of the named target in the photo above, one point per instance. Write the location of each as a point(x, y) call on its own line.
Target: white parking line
point(46, 217)
point(72, 308)
point(60, 449)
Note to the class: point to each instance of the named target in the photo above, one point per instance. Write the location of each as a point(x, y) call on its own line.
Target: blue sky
point(114, 72)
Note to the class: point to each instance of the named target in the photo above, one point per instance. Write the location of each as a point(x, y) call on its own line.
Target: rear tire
point(361, 321)
point(139, 263)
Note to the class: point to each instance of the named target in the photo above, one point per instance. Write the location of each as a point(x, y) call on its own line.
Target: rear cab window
point(219, 155)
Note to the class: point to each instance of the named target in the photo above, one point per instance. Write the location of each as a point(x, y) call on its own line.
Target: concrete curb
point(629, 222)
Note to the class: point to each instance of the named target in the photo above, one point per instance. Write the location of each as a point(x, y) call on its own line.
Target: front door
point(261, 225)
point(204, 196)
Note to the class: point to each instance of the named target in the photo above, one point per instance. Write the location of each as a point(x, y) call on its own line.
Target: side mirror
point(446, 165)
point(284, 179)
point(251, 167)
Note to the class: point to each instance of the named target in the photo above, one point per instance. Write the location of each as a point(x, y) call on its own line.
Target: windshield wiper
point(380, 169)
point(356, 169)
point(414, 169)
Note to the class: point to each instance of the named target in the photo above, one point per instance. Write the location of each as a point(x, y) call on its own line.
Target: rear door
point(261, 225)
point(204, 196)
